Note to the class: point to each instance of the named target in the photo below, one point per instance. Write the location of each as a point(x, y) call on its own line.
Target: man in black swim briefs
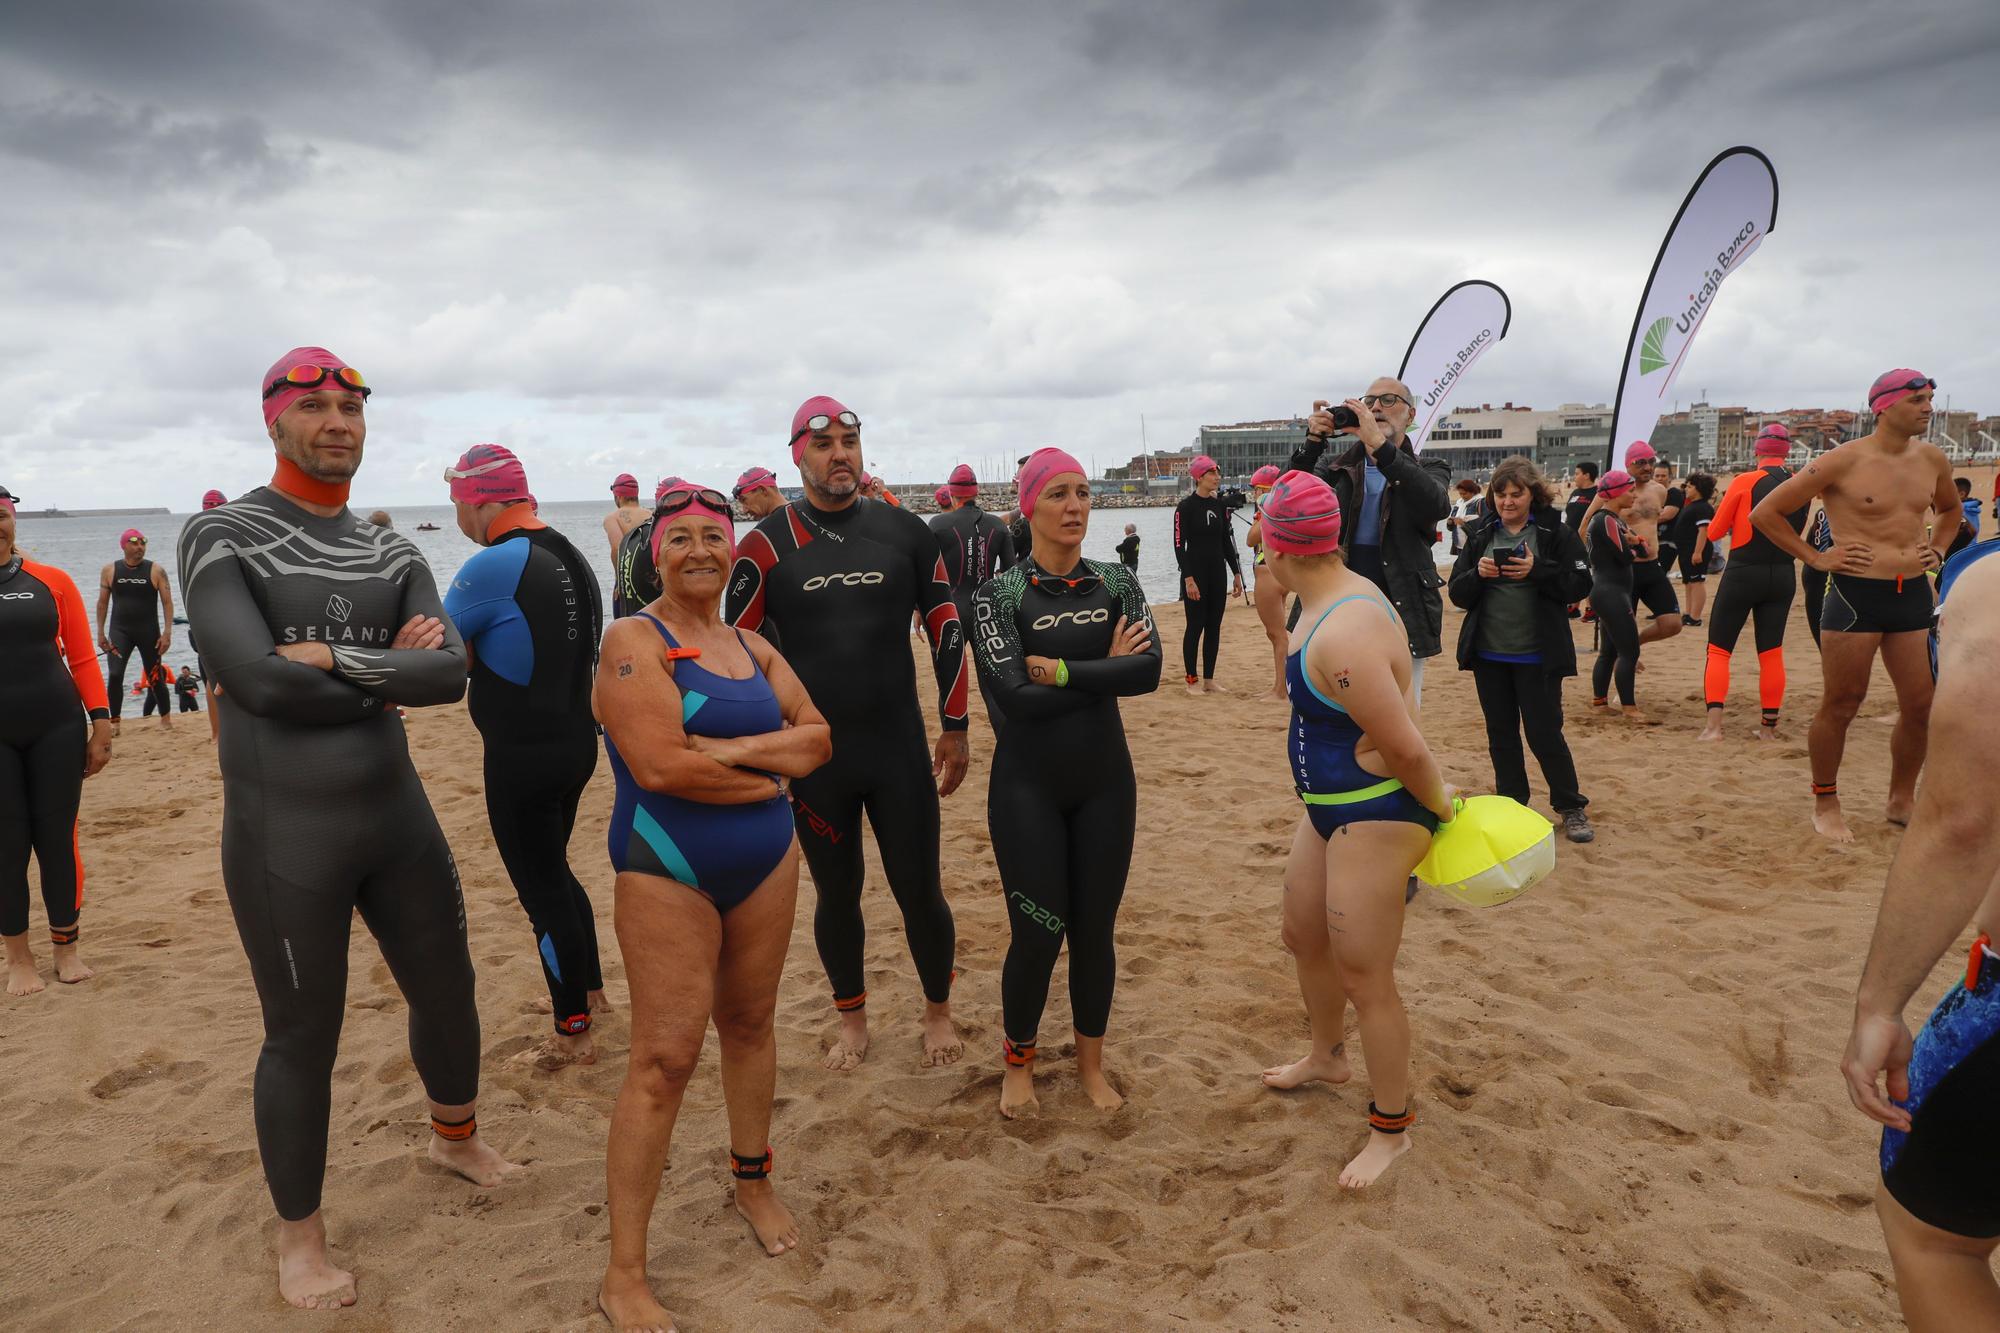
point(316, 625)
point(1876, 492)
point(135, 593)
point(832, 579)
point(1939, 1200)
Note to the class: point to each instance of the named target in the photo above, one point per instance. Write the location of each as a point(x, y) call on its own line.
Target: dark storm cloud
point(626, 221)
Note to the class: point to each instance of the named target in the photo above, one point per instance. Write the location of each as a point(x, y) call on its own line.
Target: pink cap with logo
point(1042, 465)
point(1774, 440)
point(1893, 386)
point(1614, 483)
point(1302, 515)
point(488, 474)
point(943, 496)
point(1639, 452)
point(1202, 466)
point(820, 405)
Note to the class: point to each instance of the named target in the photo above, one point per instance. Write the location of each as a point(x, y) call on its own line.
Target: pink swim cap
point(943, 496)
point(1893, 386)
point(963, 483)
point(213, 500)
point(817, 406)
point(1036, 472)
point(9, 499)
point(129, 534)
point(1301, 515)
point(699, 506)
point(488, 474)
point(1639, 452)
point(1614, 483)
point(1202, 466)
point(1773, 440)
point(753, 479)
point(625, 486)
point(1265, 477)
point(660, 491)
point(275, 405)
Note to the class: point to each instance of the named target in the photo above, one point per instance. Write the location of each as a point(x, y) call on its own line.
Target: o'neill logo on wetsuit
point(854, 580)
point(1095, 617)
point(339, 608)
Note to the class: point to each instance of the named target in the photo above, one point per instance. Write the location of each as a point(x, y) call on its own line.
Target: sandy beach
point(1629, 1111)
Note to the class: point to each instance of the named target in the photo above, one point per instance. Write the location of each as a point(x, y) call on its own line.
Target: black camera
point(1233, 497)
point(1343, 417)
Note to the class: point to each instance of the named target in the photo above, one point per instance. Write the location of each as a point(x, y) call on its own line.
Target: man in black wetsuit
point(316, 625)
point(135, 592)
point(832, 579)
point(975, 546)
point(527, 606)
point(1128, 550)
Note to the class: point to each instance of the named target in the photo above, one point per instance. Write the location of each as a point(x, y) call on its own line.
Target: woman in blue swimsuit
point(705, 728)
point(1372, 795)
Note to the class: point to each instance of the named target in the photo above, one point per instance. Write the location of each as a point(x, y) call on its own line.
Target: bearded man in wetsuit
point(135, 593)
point(316, 625)
point(1876, 492)
point(626, 514)
point(975, 546)
point(832, 579)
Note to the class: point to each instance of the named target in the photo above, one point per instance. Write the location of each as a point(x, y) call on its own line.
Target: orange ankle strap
point(1017, 1055)
point(455, 1132)
point(1389, 1124)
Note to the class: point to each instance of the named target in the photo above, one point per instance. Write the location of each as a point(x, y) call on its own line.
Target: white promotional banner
point(1466, 320)
point(1731, 209)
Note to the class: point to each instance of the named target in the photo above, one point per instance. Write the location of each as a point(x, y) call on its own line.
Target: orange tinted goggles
point(311, 377)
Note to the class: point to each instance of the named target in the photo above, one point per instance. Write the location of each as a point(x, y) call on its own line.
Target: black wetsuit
point(1205, 551)
point(635, 583)
point(528, 607)
point(834, 591)
point(1022, 536)
point(1610, 545)
point(47, 671)
point(134, 622)
point(975, 546)
point(322, 811)
point(188, 688)
point(1128, 551)
point(1062, 802)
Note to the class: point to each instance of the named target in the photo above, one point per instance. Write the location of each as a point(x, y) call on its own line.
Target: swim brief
point(1854, 605)
point(1946, 1169)
point(1650, 586)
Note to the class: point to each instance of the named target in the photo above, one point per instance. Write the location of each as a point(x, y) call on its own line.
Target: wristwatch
point(784, 785)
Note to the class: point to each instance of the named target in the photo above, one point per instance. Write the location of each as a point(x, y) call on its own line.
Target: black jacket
point(1415, 503)
point(1561, 580)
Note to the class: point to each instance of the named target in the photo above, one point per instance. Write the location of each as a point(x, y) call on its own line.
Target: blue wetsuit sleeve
point(1003, 663)
point(1135, 673)
point(239, 651)
point(414, 676)
point(482, 604)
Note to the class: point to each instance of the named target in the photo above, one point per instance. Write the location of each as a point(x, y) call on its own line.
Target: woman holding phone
point(1520, 570)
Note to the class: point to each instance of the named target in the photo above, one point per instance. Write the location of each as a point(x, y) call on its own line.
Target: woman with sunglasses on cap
point(705, 726)
point(1373, 796)
point(48, 686)
point(1205, 551)
point(1059, 639)
point(1268, 594)
point(1612, 551)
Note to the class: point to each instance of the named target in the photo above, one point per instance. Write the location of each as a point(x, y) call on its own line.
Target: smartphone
point(1518, 553)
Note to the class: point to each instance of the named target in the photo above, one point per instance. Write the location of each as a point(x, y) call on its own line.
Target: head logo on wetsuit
point(857, 579)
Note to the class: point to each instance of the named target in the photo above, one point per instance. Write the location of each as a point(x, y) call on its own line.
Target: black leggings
point(889, 777)
point(1517, 696)
point(1617, 642)
point(1062, 838)
point(123, 640)
point(1204, 619)
point(41, 784)
point(1761, 594)
point(294, 884)
point(532, 791)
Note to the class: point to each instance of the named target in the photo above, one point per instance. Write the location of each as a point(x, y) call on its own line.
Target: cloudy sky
point(632, 235)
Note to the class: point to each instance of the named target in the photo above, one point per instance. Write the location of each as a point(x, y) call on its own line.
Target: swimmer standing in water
point(1373, 797)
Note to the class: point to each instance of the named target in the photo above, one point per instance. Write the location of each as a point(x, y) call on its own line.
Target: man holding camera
point(1391, 503)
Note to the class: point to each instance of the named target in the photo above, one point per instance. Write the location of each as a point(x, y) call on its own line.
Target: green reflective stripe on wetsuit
point(322, 811)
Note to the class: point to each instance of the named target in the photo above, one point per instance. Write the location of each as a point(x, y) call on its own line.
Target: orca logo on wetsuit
point(1095, 616)
point(16, 597)
point(853, 580)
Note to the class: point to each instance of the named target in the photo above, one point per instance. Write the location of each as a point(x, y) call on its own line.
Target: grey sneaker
point(1576, 826)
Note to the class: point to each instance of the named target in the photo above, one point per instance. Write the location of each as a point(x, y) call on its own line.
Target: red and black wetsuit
point(975, 546)
point(834, 591)
point(48, 679)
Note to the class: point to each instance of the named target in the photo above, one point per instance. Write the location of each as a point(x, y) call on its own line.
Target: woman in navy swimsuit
point(705, 728)
point(1372, 795)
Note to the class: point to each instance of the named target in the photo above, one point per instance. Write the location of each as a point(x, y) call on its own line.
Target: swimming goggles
point(311, 377)
point(1055, 585)
point(820, 421)
point(1919, 383)
point(679, 500)
point(1384, 400)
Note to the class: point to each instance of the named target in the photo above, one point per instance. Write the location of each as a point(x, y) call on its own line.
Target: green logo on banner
point(1652, 352)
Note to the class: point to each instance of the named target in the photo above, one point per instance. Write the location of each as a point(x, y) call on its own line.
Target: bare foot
point(1194, 689)
point(22, 978)
point(1713, 731)
point(70, 969)
point(1829, 822)
point(1331, 1067)
point(472, 1159)
point(1210, 687)
point(1374, 1159)
point(307, 1278)
point(1017, 1092)
point(560, 1051)
point(1768, 732)
point(942, 1044)
point(1632, 714)
point(850, 1048)
point(1102, 1095)
point(626, 1300)
point(1899, 812)
point(767, 1216)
